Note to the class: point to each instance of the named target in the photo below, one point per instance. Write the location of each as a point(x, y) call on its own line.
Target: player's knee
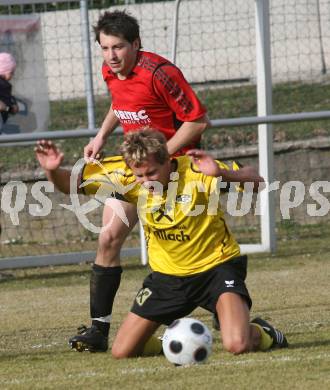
point(108, 251)
point(108, 240)
point(118, 352)
point(236, 344)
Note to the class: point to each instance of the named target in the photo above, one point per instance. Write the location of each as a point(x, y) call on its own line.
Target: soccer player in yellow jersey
point(184, 225)
point(195, 260)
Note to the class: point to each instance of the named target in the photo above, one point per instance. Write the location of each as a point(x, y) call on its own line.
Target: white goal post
point(264, 99)
point(265, 132)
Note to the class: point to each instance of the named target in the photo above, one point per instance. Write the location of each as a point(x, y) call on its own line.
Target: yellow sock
point(265, 340)
point(152, 347)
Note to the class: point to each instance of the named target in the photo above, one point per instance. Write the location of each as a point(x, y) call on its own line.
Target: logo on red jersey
point(140, 117)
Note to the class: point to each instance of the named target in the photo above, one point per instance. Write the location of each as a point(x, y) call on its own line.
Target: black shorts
point(164, 298)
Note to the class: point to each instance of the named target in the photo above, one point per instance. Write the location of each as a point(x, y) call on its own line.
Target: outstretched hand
point(49, 157)
point(204, 161)
point(209, 167)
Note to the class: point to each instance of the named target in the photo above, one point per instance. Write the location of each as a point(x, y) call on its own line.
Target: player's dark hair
point(138, 146)
point(118, 24)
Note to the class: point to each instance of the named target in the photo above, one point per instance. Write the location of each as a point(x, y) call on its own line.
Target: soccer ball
point(187, 341)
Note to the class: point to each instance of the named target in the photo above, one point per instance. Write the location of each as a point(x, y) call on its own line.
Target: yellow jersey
point(184, 226)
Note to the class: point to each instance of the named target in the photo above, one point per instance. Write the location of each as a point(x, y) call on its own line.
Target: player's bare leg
point(238, 336)
point(105, 277)
point(132, 337)
point(114, 232)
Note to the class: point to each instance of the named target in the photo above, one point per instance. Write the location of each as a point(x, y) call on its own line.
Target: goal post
point(265, 138)
point(265, 131)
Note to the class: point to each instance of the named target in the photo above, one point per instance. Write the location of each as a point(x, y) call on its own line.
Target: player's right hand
point(49, 157)
point(93, 148)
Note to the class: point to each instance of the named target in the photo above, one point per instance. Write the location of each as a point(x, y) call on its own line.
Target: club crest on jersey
point(183, 198)
point(142, 296)
point(160, 215)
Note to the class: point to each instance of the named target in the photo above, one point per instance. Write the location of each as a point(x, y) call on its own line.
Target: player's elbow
point(201, 125)
point(204, 124)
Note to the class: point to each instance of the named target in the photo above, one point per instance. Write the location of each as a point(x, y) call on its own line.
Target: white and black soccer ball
point(187, 341)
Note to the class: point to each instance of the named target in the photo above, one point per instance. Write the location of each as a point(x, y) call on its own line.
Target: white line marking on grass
point(88, 374)
point(37, 346)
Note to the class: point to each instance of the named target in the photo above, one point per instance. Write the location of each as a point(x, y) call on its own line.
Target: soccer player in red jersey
point(147, 91)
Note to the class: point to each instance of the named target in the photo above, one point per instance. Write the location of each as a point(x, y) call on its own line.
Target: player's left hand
point(204, 161)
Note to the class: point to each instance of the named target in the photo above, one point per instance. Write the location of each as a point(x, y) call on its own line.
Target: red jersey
point(155, 94)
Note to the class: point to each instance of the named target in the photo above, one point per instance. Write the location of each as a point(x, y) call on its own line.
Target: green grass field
point(40, 309)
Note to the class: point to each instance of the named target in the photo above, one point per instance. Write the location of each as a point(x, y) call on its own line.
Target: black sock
point(104, 284)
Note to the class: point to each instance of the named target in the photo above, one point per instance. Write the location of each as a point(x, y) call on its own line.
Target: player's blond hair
point(140, 145)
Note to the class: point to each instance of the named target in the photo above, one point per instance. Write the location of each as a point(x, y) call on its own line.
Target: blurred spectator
point(8, 104)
